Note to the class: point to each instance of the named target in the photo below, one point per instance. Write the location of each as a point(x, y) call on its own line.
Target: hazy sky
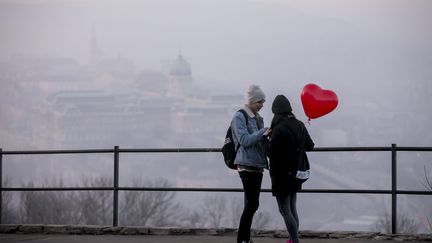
point(241, 39)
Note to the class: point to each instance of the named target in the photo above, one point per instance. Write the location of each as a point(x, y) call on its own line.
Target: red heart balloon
point(318, 102)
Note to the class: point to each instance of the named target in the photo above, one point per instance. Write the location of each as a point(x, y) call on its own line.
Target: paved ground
point(35, 238)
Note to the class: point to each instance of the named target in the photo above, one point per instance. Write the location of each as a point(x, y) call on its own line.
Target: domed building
point(180, 77)
point(180, 67)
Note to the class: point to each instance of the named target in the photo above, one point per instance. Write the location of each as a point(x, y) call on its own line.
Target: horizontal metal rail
point(209, 189)
point(116, 188)
point(204, 150)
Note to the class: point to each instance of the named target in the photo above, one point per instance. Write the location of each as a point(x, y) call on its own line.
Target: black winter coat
point(282, 151)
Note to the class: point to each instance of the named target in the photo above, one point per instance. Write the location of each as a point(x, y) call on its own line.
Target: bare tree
point(45, 207)
point(191, 219)
point(149, 208)
point(236, 209)
point(429, 222)
point(428, 185)
point(143, 208)
point(404, 224)
point(214, 209)
point(220, 212)
point(9, 213)
point(261, 220)
point(95, 207)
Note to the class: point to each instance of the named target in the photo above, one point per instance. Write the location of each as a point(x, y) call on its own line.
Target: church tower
point(96, 55)
point(180, 77)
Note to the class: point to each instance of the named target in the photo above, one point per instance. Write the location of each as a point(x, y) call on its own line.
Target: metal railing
point(116, 188)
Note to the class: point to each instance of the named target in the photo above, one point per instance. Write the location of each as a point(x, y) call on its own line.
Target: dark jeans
point(252, 187)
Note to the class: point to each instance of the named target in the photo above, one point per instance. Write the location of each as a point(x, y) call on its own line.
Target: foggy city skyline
point(170, 74)
point(352, 49)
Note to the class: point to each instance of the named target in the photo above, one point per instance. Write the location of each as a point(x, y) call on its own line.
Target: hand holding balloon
point(317, 102)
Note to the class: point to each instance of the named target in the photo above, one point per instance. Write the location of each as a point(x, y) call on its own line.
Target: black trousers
point(252, 188)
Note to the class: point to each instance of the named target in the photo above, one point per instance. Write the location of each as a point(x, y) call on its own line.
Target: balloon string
point(308, 121)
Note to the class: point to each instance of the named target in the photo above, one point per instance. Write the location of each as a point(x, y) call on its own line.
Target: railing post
point(1, 185)
point(116, 185)
point(394, 188)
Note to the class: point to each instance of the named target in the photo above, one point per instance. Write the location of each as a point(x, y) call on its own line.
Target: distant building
point(181, 82)
point(160, 108)
point(109, 103)
point(152, 82)
point(103, 118)
point(49, 74)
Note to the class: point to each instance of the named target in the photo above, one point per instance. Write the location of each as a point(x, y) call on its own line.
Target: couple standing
point(279, 143)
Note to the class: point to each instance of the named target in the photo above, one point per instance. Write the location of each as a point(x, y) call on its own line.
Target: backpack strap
point(246, 118)
point(245, 115)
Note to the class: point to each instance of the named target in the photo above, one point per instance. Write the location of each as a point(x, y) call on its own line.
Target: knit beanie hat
point(281, 105)
point(254, 94)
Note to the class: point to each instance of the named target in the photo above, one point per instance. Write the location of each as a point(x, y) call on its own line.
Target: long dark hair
point(278, 118)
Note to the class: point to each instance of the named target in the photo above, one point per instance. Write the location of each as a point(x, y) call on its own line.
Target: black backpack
point(229, 150)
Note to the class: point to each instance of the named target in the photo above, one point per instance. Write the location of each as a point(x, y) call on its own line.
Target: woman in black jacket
point(286, 138)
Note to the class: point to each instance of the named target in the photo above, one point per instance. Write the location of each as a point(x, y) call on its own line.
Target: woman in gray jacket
point(251, 157)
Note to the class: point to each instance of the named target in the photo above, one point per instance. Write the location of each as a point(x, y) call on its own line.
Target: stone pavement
point(38, 238)
point(109, 234)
